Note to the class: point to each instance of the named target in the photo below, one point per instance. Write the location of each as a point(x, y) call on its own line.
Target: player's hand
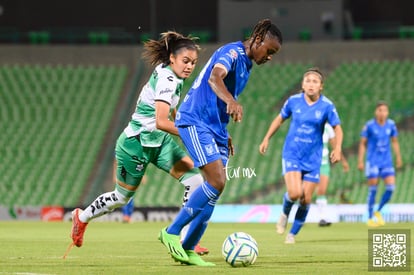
point(335, 155)
point(345, 167)
point(361, 166)
point(231, 146)
point(235, 110)
point(399, 163)
point(263, 146)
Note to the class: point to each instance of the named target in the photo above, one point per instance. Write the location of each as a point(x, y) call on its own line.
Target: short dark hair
point(381, 103)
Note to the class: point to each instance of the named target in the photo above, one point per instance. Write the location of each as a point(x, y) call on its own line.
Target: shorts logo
point(139, 167)
point(211, 149)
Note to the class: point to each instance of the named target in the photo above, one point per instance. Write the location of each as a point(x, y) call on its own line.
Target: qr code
point(389, 250)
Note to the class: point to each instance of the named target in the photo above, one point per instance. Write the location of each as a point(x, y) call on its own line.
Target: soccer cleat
point(281, 224)
point(372, 223)
point(380, 220)
point(290, 239)
point(201, 250)
point(173, 245)
point(78, 228)
point(195, 259)
point(323, 223)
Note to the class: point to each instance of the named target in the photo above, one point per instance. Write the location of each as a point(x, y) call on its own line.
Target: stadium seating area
point(54, 119)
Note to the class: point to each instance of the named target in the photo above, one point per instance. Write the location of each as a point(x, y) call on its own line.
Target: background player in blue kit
point(202, 119)
point(375, 140)
point(302, 151)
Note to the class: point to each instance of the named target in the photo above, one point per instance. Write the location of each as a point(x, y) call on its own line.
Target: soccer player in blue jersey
point(309, 110)
point(202, 119)
point(375, 141)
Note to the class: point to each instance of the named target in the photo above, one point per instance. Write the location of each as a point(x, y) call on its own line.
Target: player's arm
point(336, 153)
point(274, 126)
point(396, 147)
point(216, 82)
point(344, 161)
point(162, 121)
point(174, 113)
point(361, 152)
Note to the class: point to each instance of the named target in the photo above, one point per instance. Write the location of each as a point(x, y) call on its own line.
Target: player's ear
point(258, 41)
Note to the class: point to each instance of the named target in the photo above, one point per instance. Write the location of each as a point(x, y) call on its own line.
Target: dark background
point(130, 19)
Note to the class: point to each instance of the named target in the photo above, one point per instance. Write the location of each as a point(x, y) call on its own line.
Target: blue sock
point(195, 204)
point(128, 208)
point(287, 204)
point(300, 218)
point(197, 227)
point(389, 189)
point(372, 192)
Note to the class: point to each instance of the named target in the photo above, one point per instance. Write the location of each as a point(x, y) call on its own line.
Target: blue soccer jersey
point(378, 137)
point(303, 143)
point(201, 106)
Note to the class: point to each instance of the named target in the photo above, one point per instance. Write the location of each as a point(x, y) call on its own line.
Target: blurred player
point(202, 120)
point(147, 138)
point(375, 140)
point(328, 139)
point(302, 151)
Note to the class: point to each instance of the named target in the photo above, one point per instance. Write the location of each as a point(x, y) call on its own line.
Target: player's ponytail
point(159, 51)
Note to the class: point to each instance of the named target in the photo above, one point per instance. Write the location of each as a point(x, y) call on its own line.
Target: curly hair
point(170, 42)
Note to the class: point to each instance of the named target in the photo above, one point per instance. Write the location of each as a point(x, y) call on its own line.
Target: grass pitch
point(116, 248)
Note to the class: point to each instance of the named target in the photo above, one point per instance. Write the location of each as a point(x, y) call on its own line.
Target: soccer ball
point(240, 249)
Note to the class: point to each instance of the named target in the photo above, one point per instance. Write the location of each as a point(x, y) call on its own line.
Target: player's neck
point(381, 121)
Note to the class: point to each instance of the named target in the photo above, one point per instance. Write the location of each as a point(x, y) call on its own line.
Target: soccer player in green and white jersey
point(328, 138)
point(147, 138)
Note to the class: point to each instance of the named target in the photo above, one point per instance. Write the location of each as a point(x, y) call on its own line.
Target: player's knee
point(295, 195)
point(120, 199)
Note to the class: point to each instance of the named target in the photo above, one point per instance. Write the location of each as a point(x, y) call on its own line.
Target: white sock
point(103, 204)
point(190, 184)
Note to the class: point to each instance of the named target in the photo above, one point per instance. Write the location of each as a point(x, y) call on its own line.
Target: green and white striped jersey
point(163, 85)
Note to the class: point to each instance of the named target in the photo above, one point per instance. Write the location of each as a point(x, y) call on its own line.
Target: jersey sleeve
point(394, 130)
point(165, 89)
point(286, 110)
point(227, 57)
point(364, 131)
point(333, 117)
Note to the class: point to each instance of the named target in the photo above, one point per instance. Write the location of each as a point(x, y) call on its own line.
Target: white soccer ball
point(240, 249)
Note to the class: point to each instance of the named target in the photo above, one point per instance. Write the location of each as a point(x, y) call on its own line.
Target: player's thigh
point(132, 161)
point(202, 145)
point(172, 159)
point(293, 180)
point(388, 174)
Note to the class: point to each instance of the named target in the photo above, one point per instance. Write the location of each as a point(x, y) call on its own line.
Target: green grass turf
point(116, 248)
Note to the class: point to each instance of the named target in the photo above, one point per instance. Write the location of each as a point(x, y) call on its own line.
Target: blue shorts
point(289, 165)
point(374, 171)
point(202, 146)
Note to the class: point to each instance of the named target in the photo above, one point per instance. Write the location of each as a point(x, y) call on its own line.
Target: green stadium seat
point(55, 129)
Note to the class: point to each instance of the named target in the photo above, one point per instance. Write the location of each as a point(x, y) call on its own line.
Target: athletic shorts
point(202, 145)
point(374, 171)
point(133, 158)
point(325, 169)
point(294, 165)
